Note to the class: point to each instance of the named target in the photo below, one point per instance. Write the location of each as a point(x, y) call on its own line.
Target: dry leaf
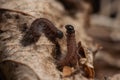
point(67, 71)
point(89, 72)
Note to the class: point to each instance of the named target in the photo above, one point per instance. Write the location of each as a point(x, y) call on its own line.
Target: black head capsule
point(70, 29)
point(59, 34)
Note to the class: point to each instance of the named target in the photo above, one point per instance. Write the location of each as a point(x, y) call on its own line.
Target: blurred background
point(105, 30)
point(102, 24)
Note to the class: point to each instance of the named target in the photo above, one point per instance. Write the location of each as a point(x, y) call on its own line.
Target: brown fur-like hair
point(38, 27)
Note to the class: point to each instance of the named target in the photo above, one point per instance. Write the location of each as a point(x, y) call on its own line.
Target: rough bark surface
point(35, 62)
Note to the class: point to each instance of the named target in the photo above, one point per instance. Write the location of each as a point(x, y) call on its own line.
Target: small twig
point(11, 10)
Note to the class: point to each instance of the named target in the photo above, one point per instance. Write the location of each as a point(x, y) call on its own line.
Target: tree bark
point(35, 62)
